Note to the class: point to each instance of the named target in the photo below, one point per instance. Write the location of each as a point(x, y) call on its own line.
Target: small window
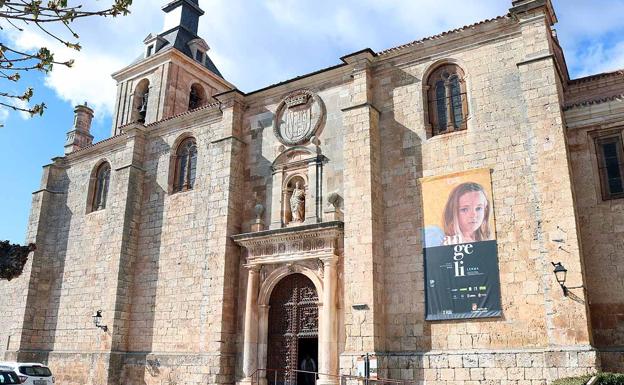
point(448, 103)
point(610, 156)
point(185, 165)
point(199, 56)
point(100, 189)
point(150, 50)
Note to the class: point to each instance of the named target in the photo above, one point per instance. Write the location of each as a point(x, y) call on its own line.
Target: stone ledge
point(513, 366)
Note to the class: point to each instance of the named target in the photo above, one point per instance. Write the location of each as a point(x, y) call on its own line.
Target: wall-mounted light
point(97, 321)
point(560, 274)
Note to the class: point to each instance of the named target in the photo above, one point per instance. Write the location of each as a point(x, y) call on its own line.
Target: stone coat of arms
point(299, 117)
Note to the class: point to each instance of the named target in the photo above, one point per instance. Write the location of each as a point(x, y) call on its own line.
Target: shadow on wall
point(261, 185)
point(46, 280)
point(403, 217)
point(136, 368)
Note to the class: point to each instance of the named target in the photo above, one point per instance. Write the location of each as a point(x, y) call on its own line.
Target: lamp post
point(561, 274)
point(97, 321)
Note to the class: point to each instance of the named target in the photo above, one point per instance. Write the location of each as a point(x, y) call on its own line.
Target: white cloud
point(257, 43)
point(87, 80)
point(4, 114)
point(599, 58)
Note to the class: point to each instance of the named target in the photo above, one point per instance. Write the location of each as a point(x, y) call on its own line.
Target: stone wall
point(601, 223)
point(510, 132)
point(472, 367)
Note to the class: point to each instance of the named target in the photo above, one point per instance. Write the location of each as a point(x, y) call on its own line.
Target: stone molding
point(98, 148)
point(292, 244)
point(166, 56)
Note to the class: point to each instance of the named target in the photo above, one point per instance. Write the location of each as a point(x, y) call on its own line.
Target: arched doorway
point(292, 329)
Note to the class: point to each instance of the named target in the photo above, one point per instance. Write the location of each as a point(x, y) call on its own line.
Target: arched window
point(185, 165)
point(448, 102)
point(141, 97)
point(197, 96)
point(100, 187)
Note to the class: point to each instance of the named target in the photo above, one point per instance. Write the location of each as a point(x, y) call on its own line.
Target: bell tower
point(174, 73)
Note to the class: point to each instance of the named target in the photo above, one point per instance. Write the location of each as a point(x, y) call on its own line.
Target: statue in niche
point(297, 203)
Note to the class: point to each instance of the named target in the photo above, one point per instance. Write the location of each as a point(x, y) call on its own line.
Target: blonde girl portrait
point(466, 217)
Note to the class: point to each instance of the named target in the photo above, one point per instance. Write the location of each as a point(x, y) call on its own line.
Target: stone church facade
point(223, 235)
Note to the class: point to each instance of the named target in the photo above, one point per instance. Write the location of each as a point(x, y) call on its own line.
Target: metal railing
point(304, 377)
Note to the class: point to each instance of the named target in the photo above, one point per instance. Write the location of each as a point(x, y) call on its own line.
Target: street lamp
point(560, 274)
point(97, 321)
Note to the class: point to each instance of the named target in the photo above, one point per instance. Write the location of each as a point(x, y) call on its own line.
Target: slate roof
point(178, 38)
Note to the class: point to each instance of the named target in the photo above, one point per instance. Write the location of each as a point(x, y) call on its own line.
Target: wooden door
point(293, 315)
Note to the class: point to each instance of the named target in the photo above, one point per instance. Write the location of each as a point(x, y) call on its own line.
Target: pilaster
point(277, 200)
point(124, 211)
point(223, 219)
point(554, 207)
point(43, 271)
point(363, 254)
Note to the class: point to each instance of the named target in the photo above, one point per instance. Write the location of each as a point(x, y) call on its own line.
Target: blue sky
point(254, 44)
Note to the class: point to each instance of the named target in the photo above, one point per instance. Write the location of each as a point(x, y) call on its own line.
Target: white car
point(30, 373)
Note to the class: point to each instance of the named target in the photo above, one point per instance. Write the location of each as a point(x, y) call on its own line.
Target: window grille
point(447, 98)
point(610, 157)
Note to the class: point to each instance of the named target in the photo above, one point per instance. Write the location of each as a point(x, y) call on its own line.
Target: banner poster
point(459, 243)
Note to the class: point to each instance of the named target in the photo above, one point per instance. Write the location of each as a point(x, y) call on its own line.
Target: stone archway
point(292, 327)
point(312, 252)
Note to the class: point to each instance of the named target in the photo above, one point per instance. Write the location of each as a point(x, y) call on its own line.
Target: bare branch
point(26, 14)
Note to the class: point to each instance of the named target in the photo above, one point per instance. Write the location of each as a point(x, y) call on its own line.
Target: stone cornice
point(204, 115)
point(498, 24)
point(584, 103)
point(319, 240)
point(165, 56)
point(319, 159)
point(97, 148)
point(596, 114)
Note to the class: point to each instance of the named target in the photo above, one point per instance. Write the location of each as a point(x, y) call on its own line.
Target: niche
point(294, 201)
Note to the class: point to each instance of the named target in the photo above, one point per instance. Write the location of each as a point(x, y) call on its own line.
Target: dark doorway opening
point(308, 360)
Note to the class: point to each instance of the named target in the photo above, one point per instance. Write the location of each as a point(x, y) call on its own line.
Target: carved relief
point(308, 322)
point(320, 268)
point(293, 247)
point(299, 247)
point(299, 116)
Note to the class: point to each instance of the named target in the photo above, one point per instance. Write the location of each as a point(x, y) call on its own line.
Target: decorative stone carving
point(332, 210)
point(297, 204)
point(258, 224)
point(285, 247)
point(320, 268)
point(299, 117)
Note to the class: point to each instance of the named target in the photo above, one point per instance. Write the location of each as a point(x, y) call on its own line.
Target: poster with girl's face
point(459, 243)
